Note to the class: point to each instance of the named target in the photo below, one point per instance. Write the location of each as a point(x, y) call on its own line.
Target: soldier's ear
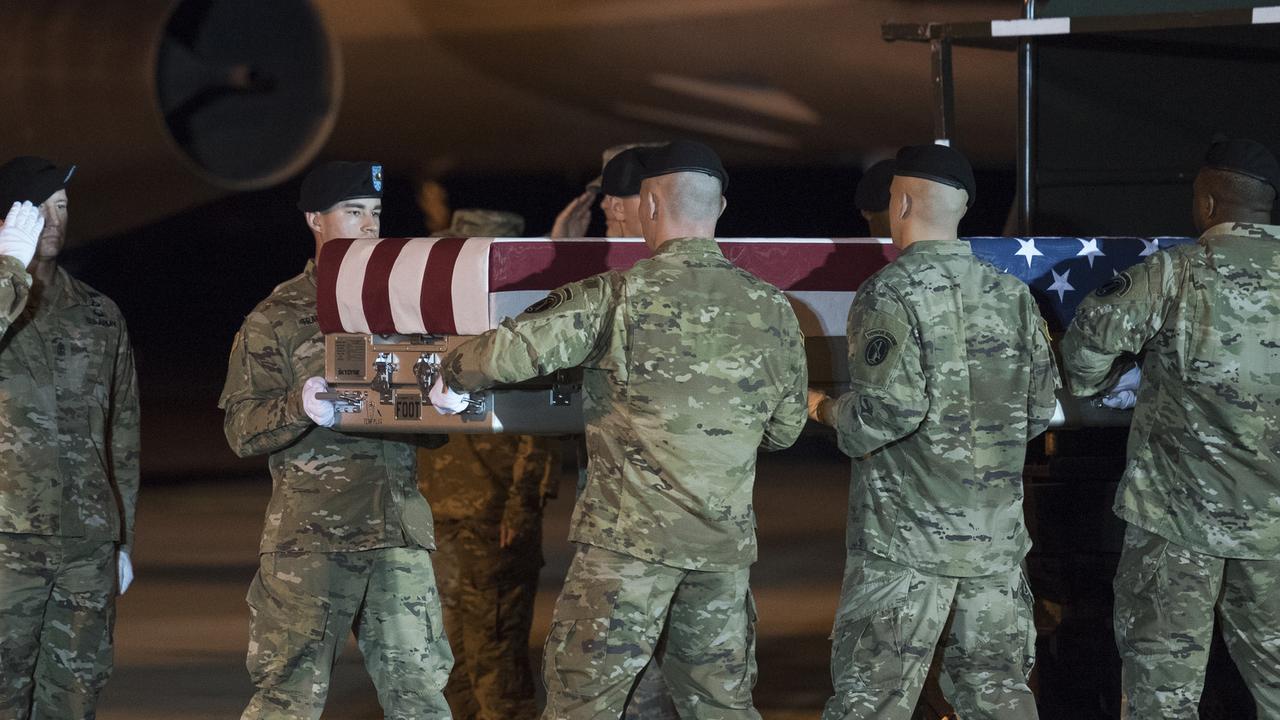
point(313, 221)
point(904, 206)
point(1210, 205)
point(724, 203)
point(649, 205)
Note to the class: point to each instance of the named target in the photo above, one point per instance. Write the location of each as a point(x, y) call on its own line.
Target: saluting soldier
point(952, 375)
point(1201, 491)
point(487, 494)
point(347, 536)
point(691, 366)
point(68, 472)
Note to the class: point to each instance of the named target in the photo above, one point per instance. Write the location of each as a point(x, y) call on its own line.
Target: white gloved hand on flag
point(445, 400)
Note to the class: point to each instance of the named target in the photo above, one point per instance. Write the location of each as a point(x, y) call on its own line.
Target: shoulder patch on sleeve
point(879, 344)
point(552, 301)
point(1118, 286)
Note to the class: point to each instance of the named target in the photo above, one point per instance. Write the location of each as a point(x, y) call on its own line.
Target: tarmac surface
point(183, 626)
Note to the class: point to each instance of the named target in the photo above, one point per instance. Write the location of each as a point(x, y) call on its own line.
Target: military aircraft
point(183, 101)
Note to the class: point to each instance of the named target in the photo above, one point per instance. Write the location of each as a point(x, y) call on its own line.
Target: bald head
point(921, 209)
point(681, 204)
point(1224, 196)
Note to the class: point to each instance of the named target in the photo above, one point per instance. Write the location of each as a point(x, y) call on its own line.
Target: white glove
point(124, 570)
point(21, 231)
point(1125, 394)
point(320, 411)
point(445, 400)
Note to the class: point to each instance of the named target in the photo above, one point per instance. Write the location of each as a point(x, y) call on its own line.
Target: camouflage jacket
point(69, 410)
point(1204, 447)
point(330, 491)
point(952, 374)
point(486, 479)
point(691, 365)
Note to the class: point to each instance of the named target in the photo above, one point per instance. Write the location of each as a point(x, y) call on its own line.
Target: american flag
point(467, 285)
point(1061, 271)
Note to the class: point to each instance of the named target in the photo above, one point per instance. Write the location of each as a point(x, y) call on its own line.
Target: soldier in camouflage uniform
point(486, 493)
point(68, 472)
point(619, 188)
point(691, 365)
point(952, 375)
point(1201, 492)
point(347, 533)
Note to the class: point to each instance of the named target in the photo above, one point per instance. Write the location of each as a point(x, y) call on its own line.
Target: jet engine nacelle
point(165, 103)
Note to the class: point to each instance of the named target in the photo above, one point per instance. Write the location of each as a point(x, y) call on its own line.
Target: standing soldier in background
point(487, 493)
point(347, 534)
point(691, 366)
point(952, 375)
point(68, 467)
point(573, 220)
point(872, 197)
point(1201, 491)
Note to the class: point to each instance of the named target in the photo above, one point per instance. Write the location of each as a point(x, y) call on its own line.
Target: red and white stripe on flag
point(465, 286)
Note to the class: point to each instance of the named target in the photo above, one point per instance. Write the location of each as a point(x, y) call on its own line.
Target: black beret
point(872, 194)
point(330, 183)
point(939, 163)
point(682, 156)
point(1245, 157)
point(622, 174)
point(31, 178)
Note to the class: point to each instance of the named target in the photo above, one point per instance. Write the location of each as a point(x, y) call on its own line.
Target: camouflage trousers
point(488, 611)
point(302, 607)
point(891, 617)
point(1164, 611)
point(57, 612)
point(606, 627)
point(650, 699)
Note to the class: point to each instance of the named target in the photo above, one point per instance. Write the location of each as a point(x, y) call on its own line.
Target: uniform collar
point(62, 292)
point(689, 246)
point(939, 247)
point(1257, 230)
point(309, 272)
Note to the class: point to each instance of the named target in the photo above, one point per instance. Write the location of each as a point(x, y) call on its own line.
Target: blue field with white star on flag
point(1061, 270)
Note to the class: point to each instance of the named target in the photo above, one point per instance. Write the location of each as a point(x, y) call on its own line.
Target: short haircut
point(692, 196)
point(1236, 190)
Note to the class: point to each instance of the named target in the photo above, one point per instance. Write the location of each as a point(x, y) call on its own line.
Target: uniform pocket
point(867, 645)
point(577, 647)
point(286, 630)
point(1141, 618)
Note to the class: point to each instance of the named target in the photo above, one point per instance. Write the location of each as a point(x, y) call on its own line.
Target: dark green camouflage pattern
point(691, 366)
point(69, 418)
point(332, 491)
point(952, 375)
point(1204, 448)
point(57, 611)
point(1165, 600)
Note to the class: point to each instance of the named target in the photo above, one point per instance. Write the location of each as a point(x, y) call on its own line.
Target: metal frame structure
point(1020, 36)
